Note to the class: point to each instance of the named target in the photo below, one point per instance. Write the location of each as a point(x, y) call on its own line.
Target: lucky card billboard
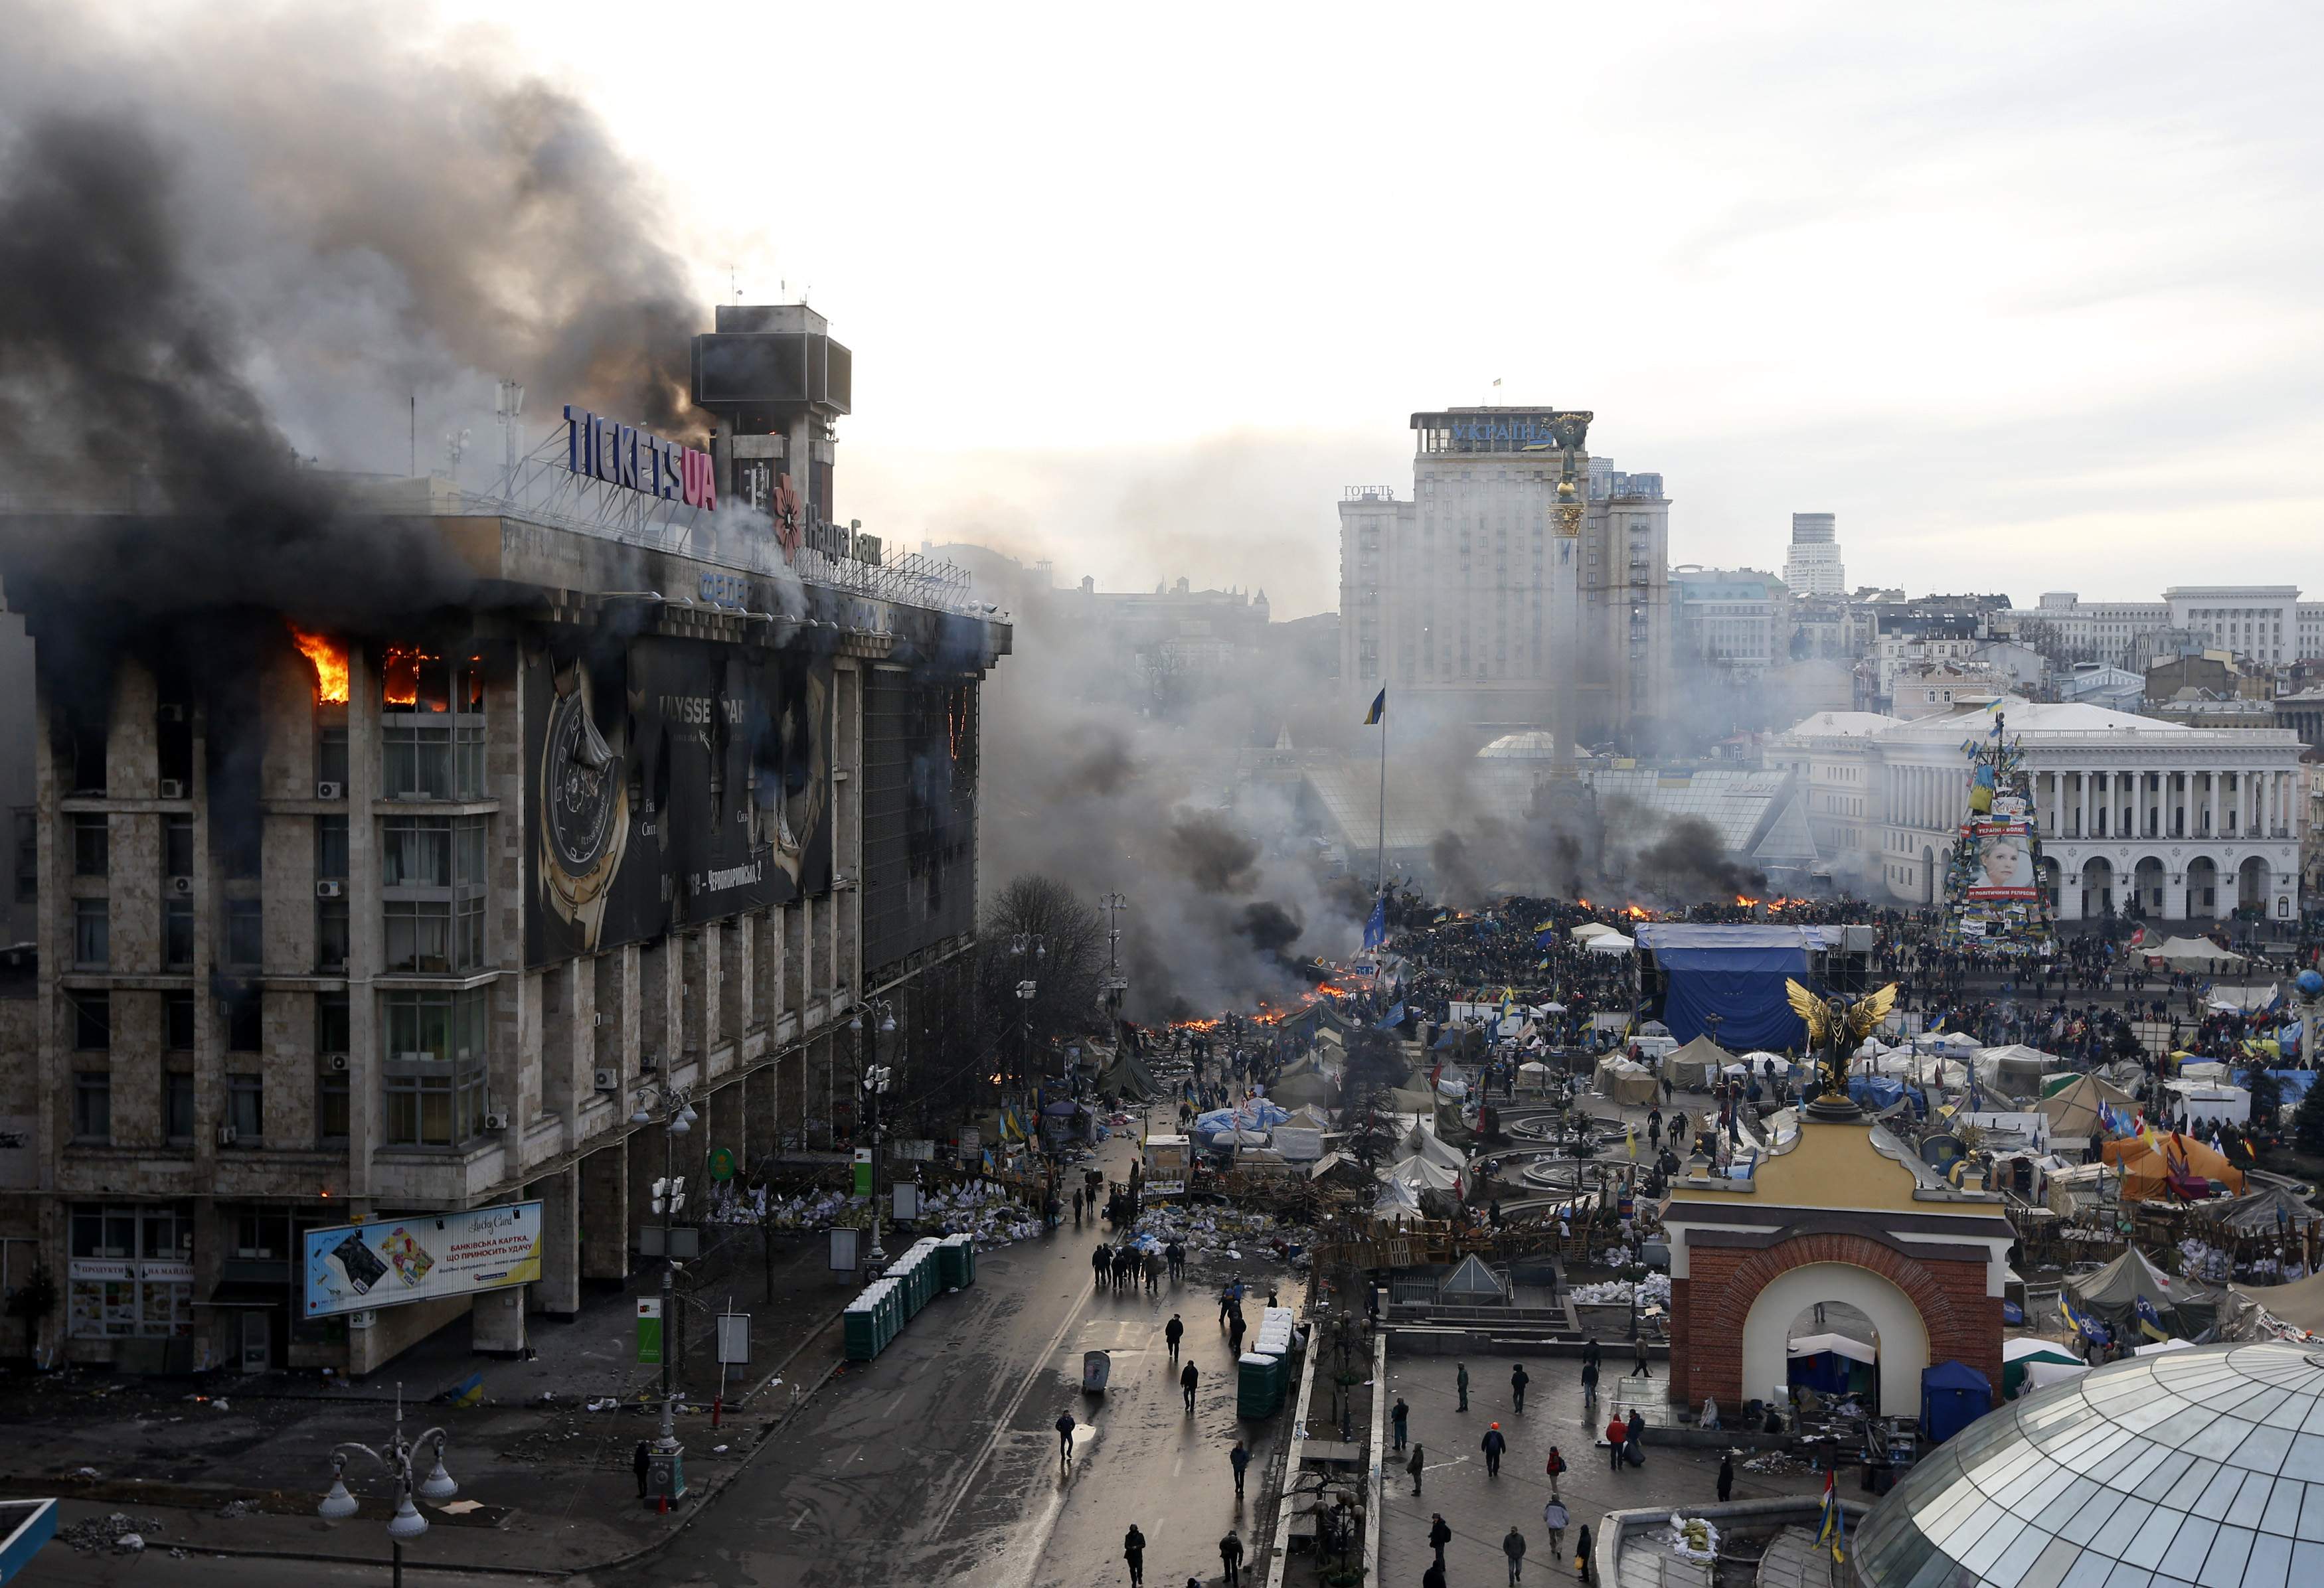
point(428, 1257)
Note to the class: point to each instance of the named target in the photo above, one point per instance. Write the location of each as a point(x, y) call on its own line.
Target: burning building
point(388, 878)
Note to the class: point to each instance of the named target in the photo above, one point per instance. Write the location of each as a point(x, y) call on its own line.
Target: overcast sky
point(2028, 295)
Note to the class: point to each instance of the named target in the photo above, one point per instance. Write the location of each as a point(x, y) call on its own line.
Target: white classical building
point(2137, 815)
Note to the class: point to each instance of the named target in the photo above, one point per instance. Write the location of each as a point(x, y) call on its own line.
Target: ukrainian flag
point(1832, 1527)
point(1380, 707)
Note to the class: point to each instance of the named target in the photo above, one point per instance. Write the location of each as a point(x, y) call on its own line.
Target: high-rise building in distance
point(1813, 567)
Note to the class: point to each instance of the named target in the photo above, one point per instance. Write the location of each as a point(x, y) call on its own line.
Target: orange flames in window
point(399, 675)
point(330, 664)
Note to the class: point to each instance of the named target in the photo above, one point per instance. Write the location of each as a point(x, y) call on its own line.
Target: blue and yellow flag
point(1832, 1527)
point(1380, 707)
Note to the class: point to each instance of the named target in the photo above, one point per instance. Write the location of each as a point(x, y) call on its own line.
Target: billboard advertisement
point(668, 781)
point(920, 812)
point(428, 1257)
point(2001, 859)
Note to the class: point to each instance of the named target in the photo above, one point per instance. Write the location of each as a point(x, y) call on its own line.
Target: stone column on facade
point(558, 1293)
point(604, 1218)
point(2212, 816)
point(2082, 815)
point(366, 931)
point(496, 1323)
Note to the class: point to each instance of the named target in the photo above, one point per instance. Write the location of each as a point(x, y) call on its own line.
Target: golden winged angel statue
point(1838, 1027)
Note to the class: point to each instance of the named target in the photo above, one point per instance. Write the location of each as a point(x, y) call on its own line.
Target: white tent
point(2041, 1375)
point(1855, 1350)
point(2158, 1347)
point(2209, 1105)
point(1534, 1069)
point(1421, 1175)
point(2193, 950)
point(1590, 929)
point(1396, 1197)
point(2242, 1000)
point(1946, 1041)
point(1613, 943)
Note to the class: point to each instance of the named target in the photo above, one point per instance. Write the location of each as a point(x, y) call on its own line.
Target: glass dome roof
point(2193, 1467)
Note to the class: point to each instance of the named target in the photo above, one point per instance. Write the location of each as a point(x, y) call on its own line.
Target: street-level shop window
point(131, 1273)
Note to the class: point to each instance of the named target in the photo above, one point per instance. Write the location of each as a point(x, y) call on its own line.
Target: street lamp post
point(1020, 945)
point(875, 1083)
point(678, 1118)
point(398, 1460)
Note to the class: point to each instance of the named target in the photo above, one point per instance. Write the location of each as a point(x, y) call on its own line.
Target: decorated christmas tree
point(1994, 895)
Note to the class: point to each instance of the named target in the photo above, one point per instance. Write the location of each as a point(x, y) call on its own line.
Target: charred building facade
point(347, 916)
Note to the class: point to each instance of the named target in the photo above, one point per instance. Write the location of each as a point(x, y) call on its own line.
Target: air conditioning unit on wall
point(336, 1063)
point(609, 1081)
point(330, 791)
point(329, 889)
point(496, 1122)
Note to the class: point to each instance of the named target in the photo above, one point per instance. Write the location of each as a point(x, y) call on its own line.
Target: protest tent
point(1694, 1066)
point(1612, 942)
point(1953, 1395)
point(2187, 953)
point(1829, 1364)
point(2299, 1303)
point(2017, 1355)
point(2269, 1208)
point(2073, 1110)
point(2042, 1374)
point(1625, 1081)
point(2015, 1069)
point(2112, 1295)
point(2148, 1170)
point(1590, 929)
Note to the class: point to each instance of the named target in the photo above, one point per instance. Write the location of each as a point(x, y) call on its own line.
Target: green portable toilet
point(1258, 1387)
point(859, 1326)
point(952, 1263)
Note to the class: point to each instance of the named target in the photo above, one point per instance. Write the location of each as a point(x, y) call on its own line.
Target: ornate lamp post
point(875, 1083)
point(399, 1460)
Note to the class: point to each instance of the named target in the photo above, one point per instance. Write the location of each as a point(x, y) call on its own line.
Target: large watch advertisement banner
point(670, 781)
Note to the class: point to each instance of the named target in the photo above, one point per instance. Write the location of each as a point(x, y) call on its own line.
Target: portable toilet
point(1258, 1386)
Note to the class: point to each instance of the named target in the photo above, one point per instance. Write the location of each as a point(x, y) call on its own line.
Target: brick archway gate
point(1711, 1308)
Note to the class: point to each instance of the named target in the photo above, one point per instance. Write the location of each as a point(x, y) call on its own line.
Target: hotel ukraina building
point(2137, 816)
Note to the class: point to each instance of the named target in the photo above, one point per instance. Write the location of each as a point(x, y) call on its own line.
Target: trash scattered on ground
point(116, 1532)
point(1775, 1461)
point(1654, 1289)
point(605, 1403)
point(232, 1509)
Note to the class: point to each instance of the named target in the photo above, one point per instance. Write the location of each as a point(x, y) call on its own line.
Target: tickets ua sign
point(637, 460)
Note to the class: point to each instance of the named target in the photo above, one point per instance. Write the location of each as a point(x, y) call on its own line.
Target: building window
point(133, 1273)
point(92, 1105)
point(92, 934)
point(432, 741)
point(178, 1022)
point(90, 845)
point(245, 1024)
point(28, 855)
point(332, 1024)
point(331, 756)
point(432, 876)
point(178, 1105)
point(92, 1021)
point(435, 1066)
point(246, 1107)
point(331, 847)
point(177, 934)
point(245, 932)
point(333, 1105)
point(331, 933)
point(178, 846)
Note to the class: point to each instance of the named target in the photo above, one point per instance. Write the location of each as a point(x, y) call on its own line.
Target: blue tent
point(1952, 1397)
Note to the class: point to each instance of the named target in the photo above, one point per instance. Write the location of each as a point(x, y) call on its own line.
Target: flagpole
point(1381, 856)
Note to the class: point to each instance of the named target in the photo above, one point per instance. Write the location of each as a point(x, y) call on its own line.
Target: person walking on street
point(1493, 1444)
point(1589, 1389)
point(1064, 1426)
point(1642, 1370)
point(1460, 1382)
point(1439, 1535)
point(1231, 1556)
point(1234, 1336)
point(641, 1464)
point(1615, 1434)
point(1554, 1517)
point(1398, 1417)
point(1153, 1273)
point(1412, 1466)
point(1726, 1477)
point(1555, 1467)
point(1581, 1552)
point(1186, 1382)
point(1239, 1459)
point(1518, 1382)
point(1101, 1265)
point(1513, 1545)
point(1174, 1331)
point(1079, 1202)
point(1133, 1550)
point(1590, 1352)
point(1634, 1439)
point(1175, 1253)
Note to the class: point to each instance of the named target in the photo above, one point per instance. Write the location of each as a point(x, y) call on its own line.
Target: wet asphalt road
point(938, 1462)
